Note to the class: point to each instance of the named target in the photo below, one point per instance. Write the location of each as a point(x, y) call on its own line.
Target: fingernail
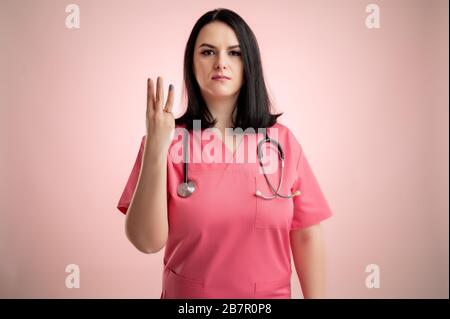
point(170, 87)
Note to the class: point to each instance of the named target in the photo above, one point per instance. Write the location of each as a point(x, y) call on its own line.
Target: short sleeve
point(130, 186)
point(310, 207)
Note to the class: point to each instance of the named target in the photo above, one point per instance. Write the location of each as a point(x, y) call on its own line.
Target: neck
point(222, 111)
point(224, 119)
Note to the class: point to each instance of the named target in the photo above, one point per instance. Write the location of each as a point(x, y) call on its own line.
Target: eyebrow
point(211, 46)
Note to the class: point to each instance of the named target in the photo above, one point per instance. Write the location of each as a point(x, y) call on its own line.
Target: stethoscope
point(187, 187)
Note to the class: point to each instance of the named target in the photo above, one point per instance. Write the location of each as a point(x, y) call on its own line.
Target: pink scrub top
point(224, 241)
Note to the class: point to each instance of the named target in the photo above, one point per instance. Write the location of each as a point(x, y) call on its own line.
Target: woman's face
point(216, 52)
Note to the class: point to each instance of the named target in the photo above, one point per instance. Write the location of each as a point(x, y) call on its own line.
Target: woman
point(224, 239)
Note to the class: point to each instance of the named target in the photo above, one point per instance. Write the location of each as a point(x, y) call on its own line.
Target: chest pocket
point(277, 212)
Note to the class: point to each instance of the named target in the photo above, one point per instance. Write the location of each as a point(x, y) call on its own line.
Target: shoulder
point(284, 133)
point(281, 128)
point(286, 138)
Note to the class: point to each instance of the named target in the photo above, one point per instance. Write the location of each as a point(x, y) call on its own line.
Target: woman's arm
point(146, 224)
point(308, 250)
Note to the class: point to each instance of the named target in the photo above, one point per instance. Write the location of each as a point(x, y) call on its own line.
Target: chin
point(221, 93)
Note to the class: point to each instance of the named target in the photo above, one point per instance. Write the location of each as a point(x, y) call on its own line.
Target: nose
point(221, 61)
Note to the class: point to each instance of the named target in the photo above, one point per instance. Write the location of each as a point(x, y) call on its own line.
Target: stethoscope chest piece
point(186, 189)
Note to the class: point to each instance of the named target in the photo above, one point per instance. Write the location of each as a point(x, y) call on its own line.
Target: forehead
point(218, 34)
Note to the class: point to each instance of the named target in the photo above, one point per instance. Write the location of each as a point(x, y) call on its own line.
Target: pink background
point(369, 106)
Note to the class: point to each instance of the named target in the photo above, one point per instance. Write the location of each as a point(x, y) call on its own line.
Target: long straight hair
point(253, 104)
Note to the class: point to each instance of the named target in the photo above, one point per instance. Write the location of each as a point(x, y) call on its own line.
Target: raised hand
point(160, 121)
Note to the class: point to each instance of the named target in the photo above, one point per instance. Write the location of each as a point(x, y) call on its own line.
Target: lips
point(217, 77)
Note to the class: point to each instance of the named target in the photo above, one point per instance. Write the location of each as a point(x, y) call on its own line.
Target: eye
point(203, 52)
point(206, 52)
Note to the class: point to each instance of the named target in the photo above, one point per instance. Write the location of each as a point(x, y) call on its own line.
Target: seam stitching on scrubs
point(298, 164)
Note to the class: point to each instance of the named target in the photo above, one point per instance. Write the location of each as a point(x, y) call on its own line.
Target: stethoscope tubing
point(186, 188)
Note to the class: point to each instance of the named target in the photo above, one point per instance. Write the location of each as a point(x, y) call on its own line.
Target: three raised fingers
point(155, 103)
